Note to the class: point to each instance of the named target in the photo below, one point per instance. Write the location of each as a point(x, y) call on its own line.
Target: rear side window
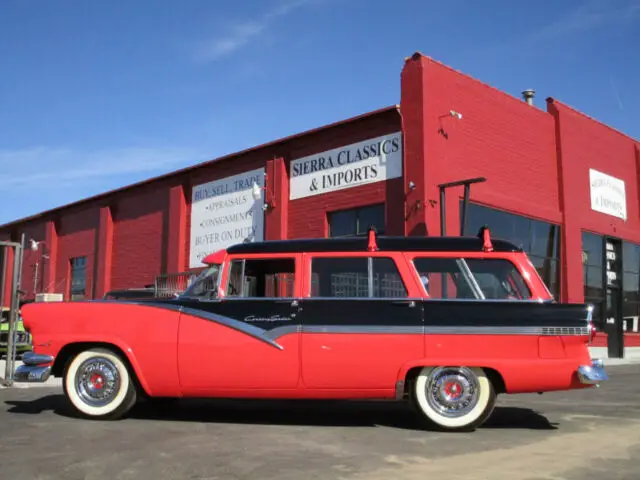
point(356, 277)
point(471, 278)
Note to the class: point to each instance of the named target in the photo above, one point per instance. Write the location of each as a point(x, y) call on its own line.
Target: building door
point(613, 305)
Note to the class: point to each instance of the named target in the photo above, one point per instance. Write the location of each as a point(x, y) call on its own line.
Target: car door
point(359, 326)
point(247, 339)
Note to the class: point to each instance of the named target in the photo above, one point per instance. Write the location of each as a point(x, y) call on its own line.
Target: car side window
point(356, 277)
point(262, 278)
point(499, 278)
point(442, 278)
point(471, 278)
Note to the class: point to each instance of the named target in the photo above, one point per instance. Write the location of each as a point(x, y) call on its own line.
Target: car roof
point(384, 243)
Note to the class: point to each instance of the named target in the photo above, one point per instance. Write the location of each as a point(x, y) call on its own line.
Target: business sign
point(223, 213)
point(607, 194)
point(373, 160)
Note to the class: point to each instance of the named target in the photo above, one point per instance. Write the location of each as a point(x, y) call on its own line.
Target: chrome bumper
point(592, 374)
point(36, 368)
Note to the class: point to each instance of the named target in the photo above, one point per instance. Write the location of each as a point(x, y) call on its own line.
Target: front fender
point(156, 374)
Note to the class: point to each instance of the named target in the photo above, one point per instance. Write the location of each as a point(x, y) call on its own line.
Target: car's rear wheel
point(454, 398)
point(99, 385)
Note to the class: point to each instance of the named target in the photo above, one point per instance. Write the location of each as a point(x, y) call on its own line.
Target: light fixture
point(33, 245)
point(412, 185)
point(256, 191)
point(453, 113)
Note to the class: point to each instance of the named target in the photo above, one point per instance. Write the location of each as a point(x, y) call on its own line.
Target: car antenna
point(372, 246)
point(485, 234)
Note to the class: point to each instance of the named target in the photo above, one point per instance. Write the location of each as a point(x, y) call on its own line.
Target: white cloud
point(590, 15)
point(56, 168)
point(242, 33)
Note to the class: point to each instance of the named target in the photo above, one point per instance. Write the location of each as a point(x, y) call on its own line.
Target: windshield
point(205, 284)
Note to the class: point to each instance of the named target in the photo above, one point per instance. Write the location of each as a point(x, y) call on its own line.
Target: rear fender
point(517, 375)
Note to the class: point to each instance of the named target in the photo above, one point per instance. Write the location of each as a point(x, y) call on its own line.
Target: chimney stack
point(528, 95)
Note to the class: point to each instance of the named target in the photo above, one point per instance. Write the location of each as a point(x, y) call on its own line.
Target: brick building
point(563, 185)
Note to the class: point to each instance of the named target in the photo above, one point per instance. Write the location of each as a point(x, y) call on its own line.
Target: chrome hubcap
point(97, 381)
point(452, 391)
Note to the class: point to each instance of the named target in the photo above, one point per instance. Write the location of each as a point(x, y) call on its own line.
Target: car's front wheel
point(454, 398)
point(99, 384)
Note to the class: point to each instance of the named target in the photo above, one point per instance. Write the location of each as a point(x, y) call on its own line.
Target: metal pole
point(463, 220)
point(12, 316)
point(443, 213)
point(3, 279)
point(35, 278)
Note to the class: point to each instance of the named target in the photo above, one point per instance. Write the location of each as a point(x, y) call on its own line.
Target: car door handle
point(293, 303)
point(408, 303)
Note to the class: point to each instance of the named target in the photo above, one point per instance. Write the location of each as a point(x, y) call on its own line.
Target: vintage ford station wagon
point(446, 323)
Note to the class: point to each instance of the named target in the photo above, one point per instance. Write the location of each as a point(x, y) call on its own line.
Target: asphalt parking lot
point(567, 435)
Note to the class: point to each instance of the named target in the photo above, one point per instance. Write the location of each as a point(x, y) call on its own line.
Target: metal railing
point(169, 284)
point(13, 301)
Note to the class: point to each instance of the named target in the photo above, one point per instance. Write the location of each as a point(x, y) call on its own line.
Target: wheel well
point(70, 350)
point(494, 377)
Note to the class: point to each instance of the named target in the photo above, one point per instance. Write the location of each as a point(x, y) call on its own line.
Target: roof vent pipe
point(528, 95)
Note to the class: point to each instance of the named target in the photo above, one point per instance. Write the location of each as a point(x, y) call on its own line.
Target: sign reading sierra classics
point(607, 194)
point(224, 212)
point(370, 161)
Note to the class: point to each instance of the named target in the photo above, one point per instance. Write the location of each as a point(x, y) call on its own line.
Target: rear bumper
point(592, 374)
point(35, 369)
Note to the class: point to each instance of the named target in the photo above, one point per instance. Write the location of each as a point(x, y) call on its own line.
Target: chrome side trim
point(400, 330)
point(32, 374)
point(419, 330)
point(277, 332)
point(243, 327)
point(592, 374)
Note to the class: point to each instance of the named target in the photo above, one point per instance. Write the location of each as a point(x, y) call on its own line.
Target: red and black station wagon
point(447, 323)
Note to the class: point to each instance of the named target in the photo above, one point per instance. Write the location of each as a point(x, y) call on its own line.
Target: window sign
point(607, 194)
point(224, 212)
point(370, 161)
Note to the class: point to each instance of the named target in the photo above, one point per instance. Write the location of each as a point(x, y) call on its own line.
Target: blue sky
point(97, 95)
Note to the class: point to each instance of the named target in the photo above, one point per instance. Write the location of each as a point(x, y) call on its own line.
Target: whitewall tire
point(454, 398)
point(99, 385)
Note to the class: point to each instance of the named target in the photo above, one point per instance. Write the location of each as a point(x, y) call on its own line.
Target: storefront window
point(356, 221)
point(78, 278)
point(541, 240)
point(593, 275)
point(630, 282)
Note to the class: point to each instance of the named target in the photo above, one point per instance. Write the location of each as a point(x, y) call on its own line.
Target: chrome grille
point(565, 330)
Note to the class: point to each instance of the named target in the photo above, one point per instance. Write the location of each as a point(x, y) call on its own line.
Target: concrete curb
point(631, 356)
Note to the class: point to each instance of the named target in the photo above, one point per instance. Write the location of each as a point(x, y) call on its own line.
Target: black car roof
point(384, 243)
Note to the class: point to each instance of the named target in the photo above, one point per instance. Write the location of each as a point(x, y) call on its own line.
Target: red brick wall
point(586, 143)
point(307, 216)
point(76, 238)
point(139, 235)
point(499, 137)
point(583, 143)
